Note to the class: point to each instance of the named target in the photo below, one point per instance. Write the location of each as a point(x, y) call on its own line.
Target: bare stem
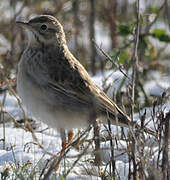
point(165, 147)
point(133, 85)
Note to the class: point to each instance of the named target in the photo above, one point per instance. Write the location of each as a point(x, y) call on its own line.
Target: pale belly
point(55, 117)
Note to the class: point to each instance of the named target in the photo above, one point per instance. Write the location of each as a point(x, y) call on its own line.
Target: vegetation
point(127, 36)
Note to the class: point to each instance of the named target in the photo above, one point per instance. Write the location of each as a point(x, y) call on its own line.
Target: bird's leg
point(63, 138)
point(64, 145)
point(70, 136)
point(65, 142)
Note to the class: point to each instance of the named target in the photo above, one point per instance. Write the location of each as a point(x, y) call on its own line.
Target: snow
point(19, 145)
point(157, 84)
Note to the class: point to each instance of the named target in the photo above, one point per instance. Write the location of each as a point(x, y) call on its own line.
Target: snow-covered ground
point(19, 147)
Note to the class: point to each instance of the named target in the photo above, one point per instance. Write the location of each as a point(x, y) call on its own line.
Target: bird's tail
point(109, 109)
point(119, 118)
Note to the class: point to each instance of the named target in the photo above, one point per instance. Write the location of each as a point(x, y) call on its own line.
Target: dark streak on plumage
point(65, 79)
point(52, 30)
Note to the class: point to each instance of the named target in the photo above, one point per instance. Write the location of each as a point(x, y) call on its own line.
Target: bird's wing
point(71, 79)
point(66, 79)
point(102, 101)
point(64, 76)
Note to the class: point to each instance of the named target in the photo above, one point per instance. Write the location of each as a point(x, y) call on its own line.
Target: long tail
point(110, 110)
point(119, 118)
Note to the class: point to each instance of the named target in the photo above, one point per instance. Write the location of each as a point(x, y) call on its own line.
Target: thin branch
point(79, 157)
point(134, 72)
point(155, 19)
point(56, 162)
point(167, 5)
point(111, 60)
point(165, 147)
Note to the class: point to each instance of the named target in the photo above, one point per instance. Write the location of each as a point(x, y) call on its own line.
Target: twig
point(2, 118)
point(135, 60)
point(111, 60)
point(167, 12)
point(96, 130)
point(56, 162)
point(29, 128)
point(165, 147)
point(75, 162)
point(155, 19)
point(92, 36)
point(112, 150)
point(134, 72)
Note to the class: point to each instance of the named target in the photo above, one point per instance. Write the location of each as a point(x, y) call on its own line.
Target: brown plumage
point(54, 86)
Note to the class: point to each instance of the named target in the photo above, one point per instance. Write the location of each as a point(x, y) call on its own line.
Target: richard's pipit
point(54, 86)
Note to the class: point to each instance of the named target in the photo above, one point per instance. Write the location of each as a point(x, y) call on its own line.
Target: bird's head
point(44, 29)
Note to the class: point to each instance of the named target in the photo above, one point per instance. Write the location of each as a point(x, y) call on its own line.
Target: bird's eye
point(43, 27)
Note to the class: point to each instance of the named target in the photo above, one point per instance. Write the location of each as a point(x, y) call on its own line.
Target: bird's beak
point(25, 25)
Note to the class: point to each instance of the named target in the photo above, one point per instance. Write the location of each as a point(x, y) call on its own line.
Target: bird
point(55, 87)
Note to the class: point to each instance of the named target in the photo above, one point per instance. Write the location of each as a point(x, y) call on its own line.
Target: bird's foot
point(65, 144)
